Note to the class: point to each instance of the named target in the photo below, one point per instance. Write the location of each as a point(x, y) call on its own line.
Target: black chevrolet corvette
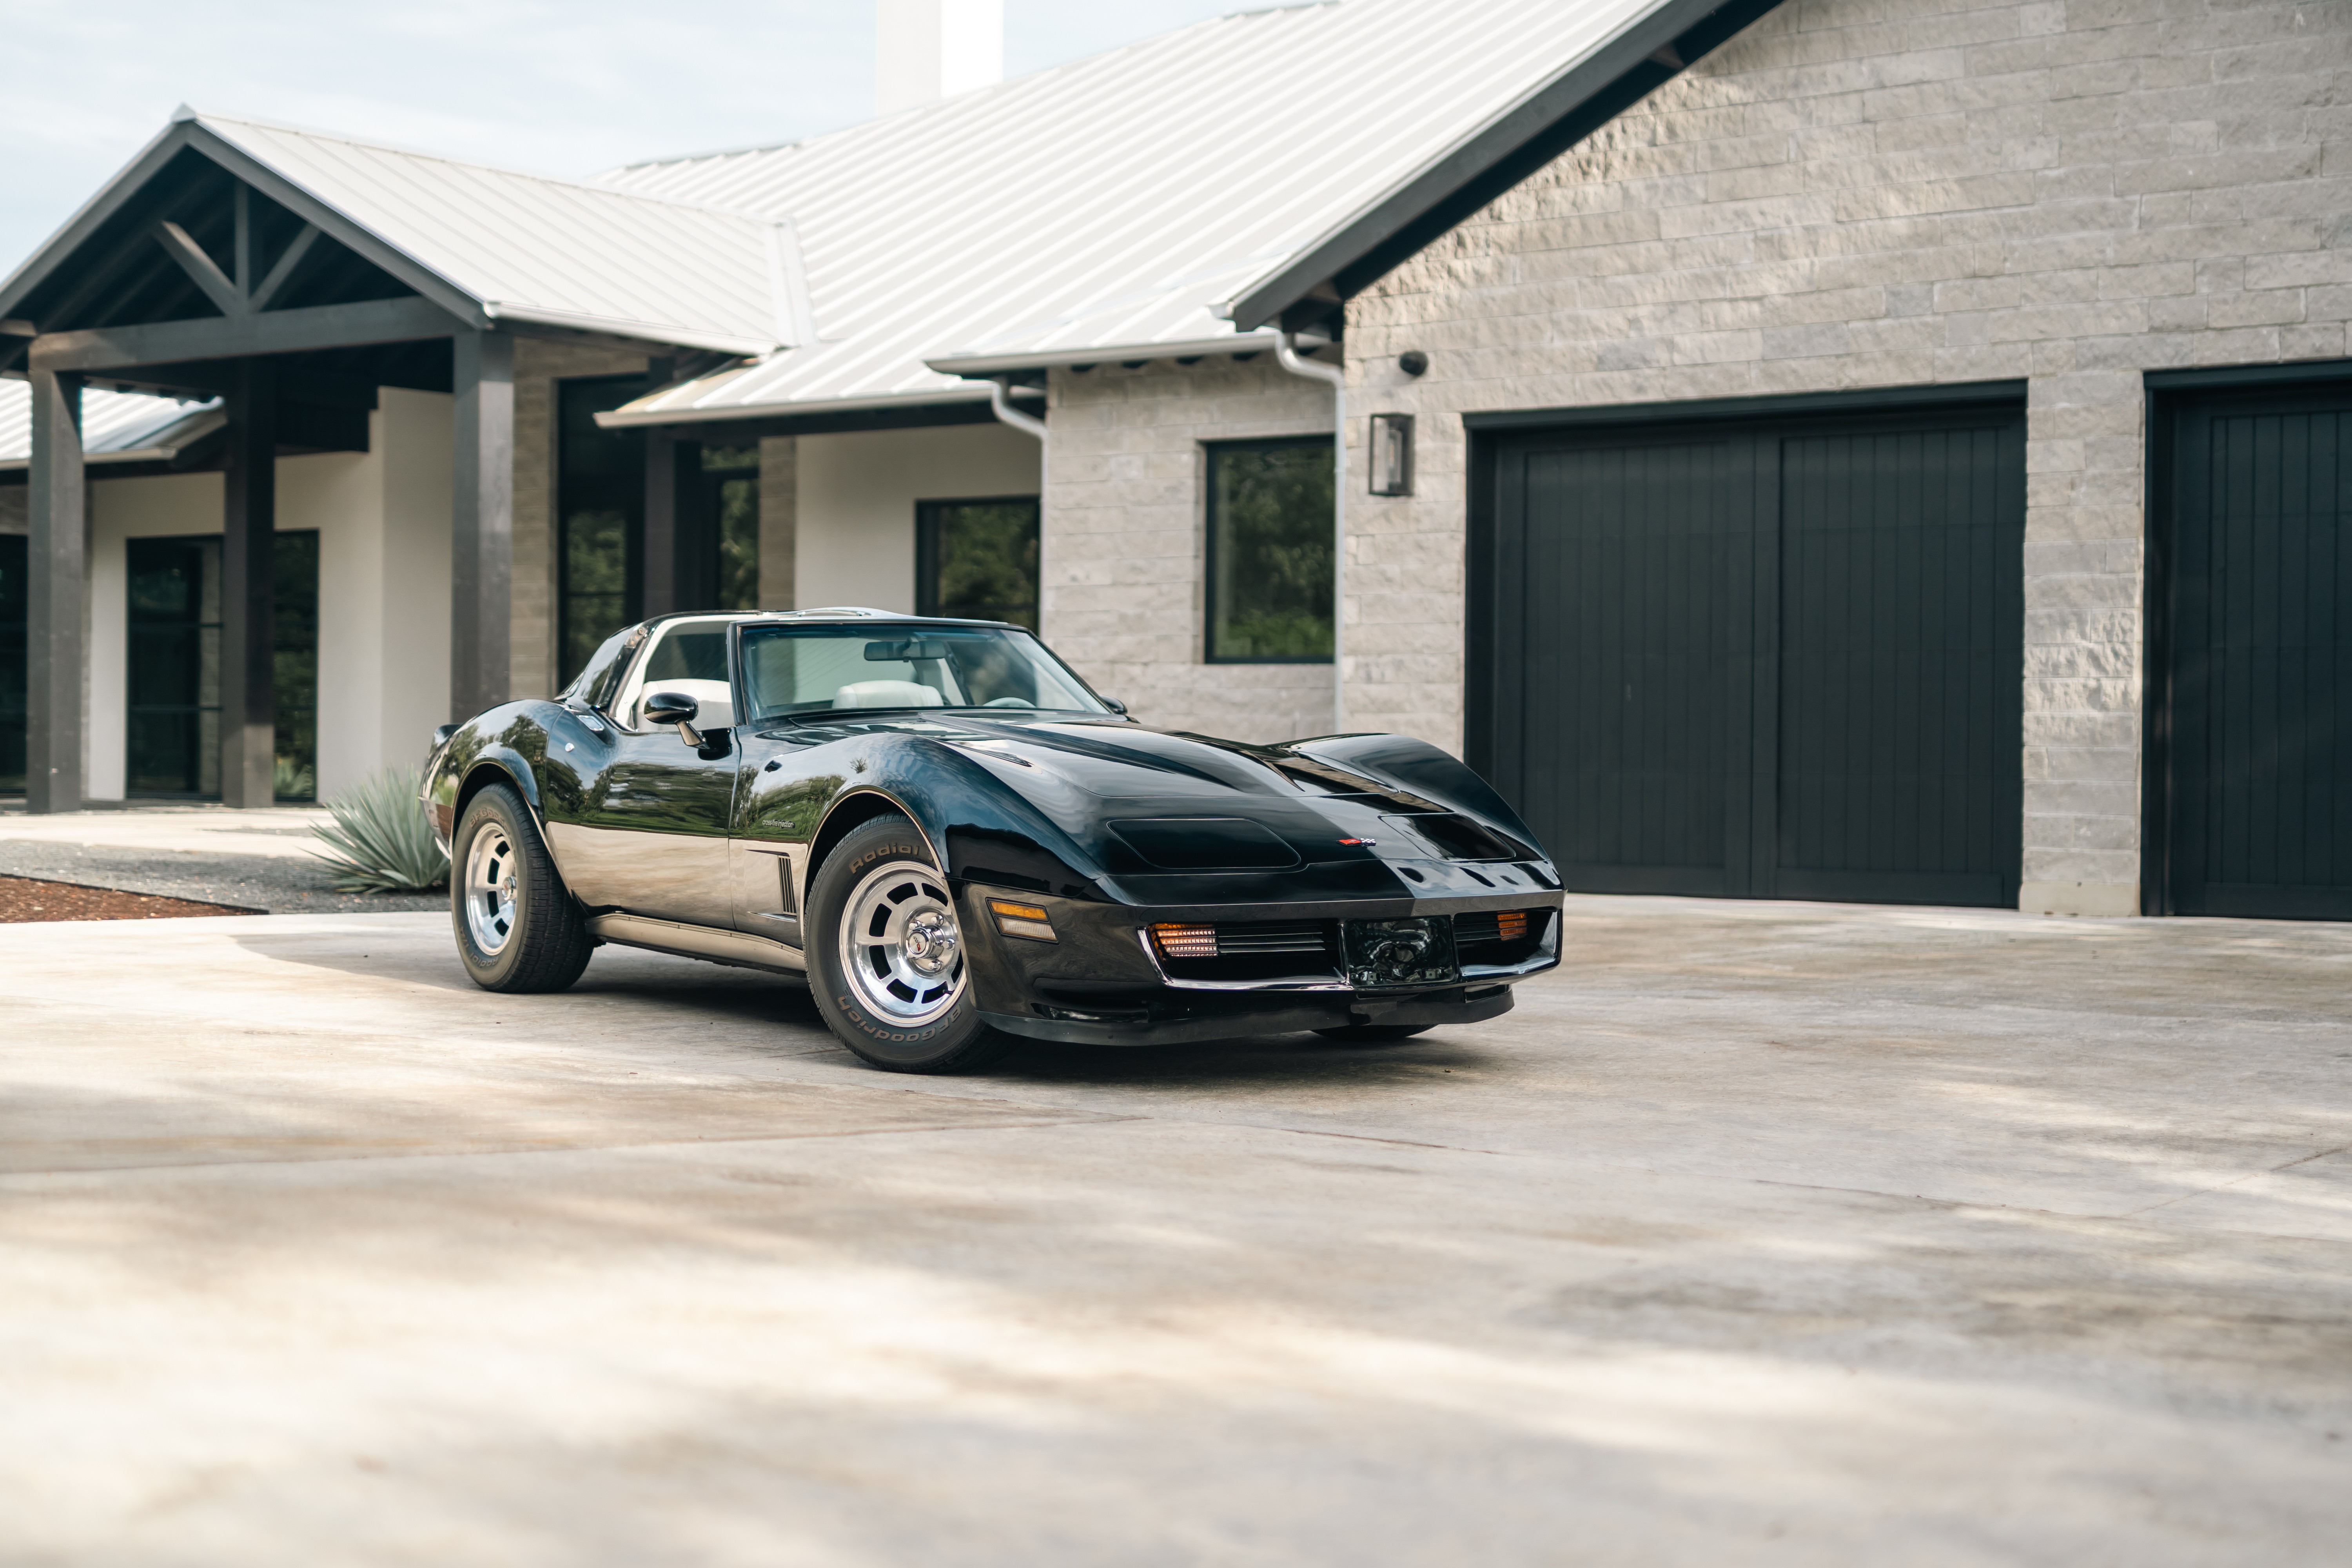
point(958, 844)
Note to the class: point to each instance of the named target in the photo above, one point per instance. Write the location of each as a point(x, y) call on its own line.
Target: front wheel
point(887, 962)
point(517, 927)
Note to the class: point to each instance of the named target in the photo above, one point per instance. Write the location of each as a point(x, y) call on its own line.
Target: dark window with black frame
point(977, 560)
point(295, 665)
point(173, 723)
point(718, 501)
point(173, 743)
point(600, 500)
point(1270, 527)
point(14, 612)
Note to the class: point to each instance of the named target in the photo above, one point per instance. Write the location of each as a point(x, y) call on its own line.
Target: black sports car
point(958, 843)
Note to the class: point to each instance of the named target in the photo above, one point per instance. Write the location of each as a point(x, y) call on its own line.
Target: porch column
point(481, 533)
point(249, 735)
point(58, 500)
point(663, 592)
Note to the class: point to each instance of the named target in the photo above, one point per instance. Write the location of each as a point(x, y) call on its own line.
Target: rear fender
point(468, 766)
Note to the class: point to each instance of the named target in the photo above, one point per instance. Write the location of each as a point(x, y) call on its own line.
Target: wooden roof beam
point(367, 323)
point(201, 268)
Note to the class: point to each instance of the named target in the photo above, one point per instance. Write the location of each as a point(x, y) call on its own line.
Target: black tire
point(1374, 1034)
point(956, 1040)
point(547, 944)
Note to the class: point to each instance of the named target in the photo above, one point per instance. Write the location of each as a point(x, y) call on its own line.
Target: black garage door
point(2252, 730)
point(1766, 657)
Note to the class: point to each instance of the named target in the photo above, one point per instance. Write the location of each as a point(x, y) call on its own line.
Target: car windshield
point(829, 668)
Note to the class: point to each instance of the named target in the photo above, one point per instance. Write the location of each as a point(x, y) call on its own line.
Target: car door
point(649, 835)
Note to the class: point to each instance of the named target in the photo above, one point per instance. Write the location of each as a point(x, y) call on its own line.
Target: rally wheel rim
point(900, 946)
point(490, 889)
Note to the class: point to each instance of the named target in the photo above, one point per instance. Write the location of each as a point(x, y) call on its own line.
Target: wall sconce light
point(1392, 454)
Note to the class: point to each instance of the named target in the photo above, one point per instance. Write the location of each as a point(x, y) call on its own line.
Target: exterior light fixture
point(1413, 361)
point(1392, 454)
point(1029, 920)
point(1185, 941)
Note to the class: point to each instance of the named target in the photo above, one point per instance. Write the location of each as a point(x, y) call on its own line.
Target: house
point(1826, 450)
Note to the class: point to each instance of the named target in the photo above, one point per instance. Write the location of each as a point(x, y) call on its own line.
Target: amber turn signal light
point(1185, 942)
point(1022, 920)
point(1511, 925)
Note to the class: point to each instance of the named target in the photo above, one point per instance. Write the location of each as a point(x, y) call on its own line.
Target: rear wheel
point(887, 959)
point(517, 927)
point(1373, 1034)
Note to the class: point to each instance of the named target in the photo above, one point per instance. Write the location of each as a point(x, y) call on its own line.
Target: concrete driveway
point(1760, 1234)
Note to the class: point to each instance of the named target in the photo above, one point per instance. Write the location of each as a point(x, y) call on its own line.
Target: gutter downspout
point(1028, 424)
point(1285, 351)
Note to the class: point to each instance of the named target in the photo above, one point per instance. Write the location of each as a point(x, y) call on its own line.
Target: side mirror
point(674, 707)
point(1114, 704)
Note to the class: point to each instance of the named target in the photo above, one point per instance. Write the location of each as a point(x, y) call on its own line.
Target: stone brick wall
point(539, 366)
point(1896, 192)
point(1125, 538)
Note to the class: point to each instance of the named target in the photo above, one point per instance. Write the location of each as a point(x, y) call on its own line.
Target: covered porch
point(345, 323)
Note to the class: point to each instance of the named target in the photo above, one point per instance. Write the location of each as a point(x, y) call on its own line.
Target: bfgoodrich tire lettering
point(518, 929)
point(911, 1008)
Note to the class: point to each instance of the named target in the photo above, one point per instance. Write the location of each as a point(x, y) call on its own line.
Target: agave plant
point(380, 840)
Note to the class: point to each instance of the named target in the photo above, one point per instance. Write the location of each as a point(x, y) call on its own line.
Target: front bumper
point(1182, 1022)
point(1104, 982)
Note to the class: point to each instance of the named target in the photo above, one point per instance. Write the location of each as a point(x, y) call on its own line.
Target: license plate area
point(1400, 954)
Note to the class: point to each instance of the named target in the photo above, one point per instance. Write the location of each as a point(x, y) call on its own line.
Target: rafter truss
point(242, 295)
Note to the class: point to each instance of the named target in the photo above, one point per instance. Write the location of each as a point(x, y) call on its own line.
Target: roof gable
point(487, 245)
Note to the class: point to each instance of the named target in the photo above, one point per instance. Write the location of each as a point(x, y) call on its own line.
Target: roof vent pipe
point(925, 51)
point(1286, 350)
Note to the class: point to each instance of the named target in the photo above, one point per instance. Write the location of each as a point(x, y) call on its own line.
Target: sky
point(563, 88)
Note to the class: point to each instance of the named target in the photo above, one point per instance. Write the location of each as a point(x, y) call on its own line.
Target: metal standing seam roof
point(1113, 204)
point(116, 426)
point(532, 248)
point(522, 248)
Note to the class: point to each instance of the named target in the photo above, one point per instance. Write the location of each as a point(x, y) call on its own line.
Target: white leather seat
point(886, 694)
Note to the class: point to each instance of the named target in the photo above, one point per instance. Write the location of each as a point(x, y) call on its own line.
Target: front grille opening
point(1237, 949)
point(1500, 936)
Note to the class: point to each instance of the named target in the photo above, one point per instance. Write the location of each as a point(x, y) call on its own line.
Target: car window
point(689, 653)
point(595, 684)
point(801, 669)
point(688, 656)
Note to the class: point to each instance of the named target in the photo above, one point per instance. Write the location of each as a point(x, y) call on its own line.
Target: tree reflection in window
point(1270, 527)
point(977, 560)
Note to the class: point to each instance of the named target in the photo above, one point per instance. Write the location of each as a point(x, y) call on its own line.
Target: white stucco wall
point(383, 520)
point(413, 431)
point(854, 529)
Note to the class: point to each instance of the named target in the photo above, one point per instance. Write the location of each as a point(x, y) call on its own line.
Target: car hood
point(1119, 759)
point(1112, 779)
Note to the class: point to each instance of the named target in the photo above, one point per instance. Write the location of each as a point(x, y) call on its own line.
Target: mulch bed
point(31, 899)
